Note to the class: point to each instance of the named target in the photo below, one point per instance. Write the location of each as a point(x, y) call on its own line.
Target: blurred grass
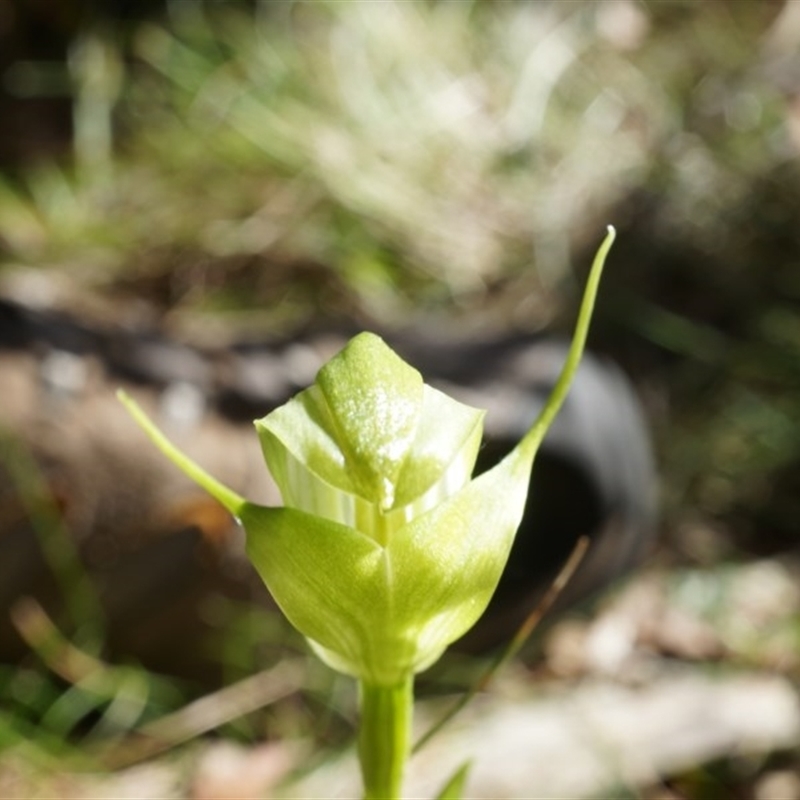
point(273, 163)
point(420, 151)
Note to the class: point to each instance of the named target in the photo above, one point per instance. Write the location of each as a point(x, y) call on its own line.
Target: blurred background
point(194, 194)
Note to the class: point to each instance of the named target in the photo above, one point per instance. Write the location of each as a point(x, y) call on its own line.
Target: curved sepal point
point(225, 496)
point(533, 438)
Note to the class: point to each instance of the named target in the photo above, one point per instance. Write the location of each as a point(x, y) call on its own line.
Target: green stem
point(384, 737)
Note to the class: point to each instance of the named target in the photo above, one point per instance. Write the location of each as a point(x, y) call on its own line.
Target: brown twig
point(206, 714)
point(518, 640)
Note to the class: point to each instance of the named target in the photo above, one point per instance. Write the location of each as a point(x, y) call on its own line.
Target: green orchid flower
point(386, 549)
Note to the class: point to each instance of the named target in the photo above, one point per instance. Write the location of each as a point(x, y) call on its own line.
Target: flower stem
point(384, 737)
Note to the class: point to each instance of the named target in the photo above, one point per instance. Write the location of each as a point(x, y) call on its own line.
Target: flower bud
point(385, 551)
point(393, 553)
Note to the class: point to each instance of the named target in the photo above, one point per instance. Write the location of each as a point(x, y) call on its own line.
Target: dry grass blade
point(206, 714)
point(61, 656)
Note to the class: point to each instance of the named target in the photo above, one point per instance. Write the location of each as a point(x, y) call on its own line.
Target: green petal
point(300, 448)
point(444, 451)
point(311, 444)
point(331, 582)
point(446, 564)
point(382, 613)
point(374, 400)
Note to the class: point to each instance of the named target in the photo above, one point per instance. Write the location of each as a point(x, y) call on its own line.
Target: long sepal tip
point(225, 496)
point(535, 435)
